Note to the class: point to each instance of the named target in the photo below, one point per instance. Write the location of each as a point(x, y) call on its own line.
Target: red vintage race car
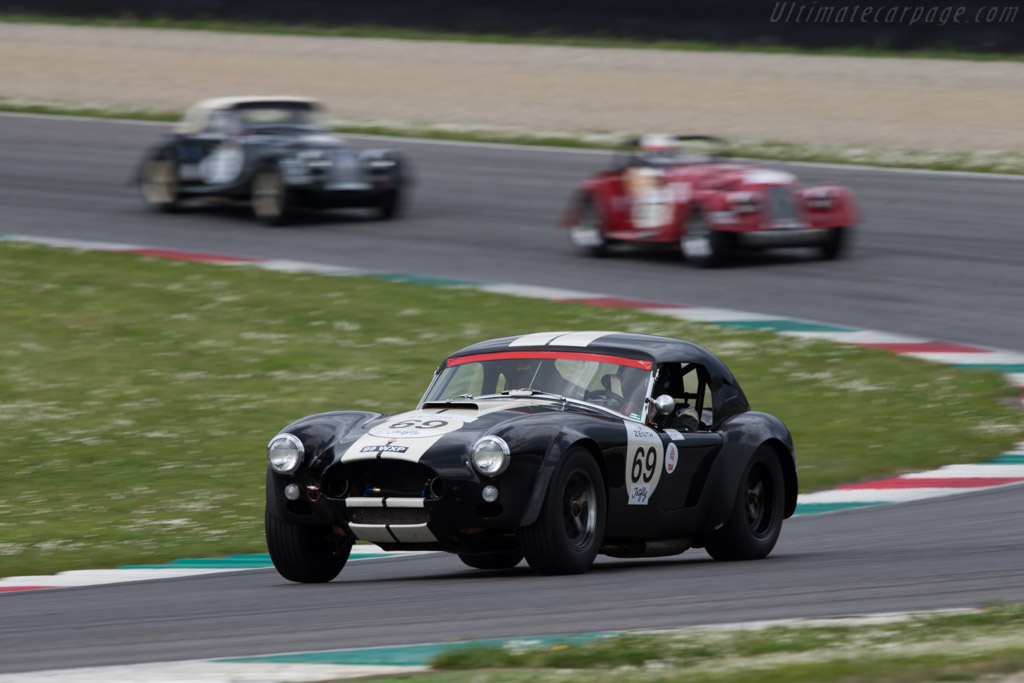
point(678, 190)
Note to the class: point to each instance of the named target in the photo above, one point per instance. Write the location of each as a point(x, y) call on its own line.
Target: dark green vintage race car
point(555, 446)
point(276, 153)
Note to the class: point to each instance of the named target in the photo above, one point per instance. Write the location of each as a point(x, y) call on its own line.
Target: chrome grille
point(782, 207)
point(388, 515)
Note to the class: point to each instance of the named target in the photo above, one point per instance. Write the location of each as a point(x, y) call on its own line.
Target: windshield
point(279, 115)
point(659, 150)
point(619, 384)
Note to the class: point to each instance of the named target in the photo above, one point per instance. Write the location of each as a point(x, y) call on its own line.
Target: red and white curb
point(177, 569)
point(1005, 469)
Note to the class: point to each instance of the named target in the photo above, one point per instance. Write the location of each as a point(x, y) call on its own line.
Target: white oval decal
point(671, 458)
point(414, 425)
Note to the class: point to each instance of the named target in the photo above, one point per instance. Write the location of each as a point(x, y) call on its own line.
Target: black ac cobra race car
point(276, 153)
point(555, 446)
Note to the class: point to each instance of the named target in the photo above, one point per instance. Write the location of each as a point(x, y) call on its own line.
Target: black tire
point(390, 205)
point(836, 244)
point(305, 554)
point(753, 528)
point(587, 235)
point(503, 560)
point(569, 531)
point(270, 198)
point(702, 246)
point(158, 184)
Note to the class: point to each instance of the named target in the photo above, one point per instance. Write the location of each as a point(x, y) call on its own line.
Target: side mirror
point(664, 404)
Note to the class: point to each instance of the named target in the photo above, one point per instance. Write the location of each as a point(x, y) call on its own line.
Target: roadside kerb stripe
point(175, 569)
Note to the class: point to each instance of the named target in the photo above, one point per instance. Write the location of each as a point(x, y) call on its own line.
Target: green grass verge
point(540, 38)
point(992, 161)
point(964, 646)
point(139, 394)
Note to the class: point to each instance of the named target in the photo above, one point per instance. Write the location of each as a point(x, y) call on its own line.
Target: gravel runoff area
point(922, 104)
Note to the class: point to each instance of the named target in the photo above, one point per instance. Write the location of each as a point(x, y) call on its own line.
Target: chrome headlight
point(315, 158)
point(284, 453)
point(490, 455)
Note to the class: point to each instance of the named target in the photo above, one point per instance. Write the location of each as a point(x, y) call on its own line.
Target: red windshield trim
point(567, 355)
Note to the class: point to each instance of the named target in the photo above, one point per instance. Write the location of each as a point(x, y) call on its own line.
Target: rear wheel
point(270, 200)
point(305, 554)
point(501, 560)
point(587, 236)
point(836, 244)
point(158, 182)
point(753, 528)
point(570, 528)
point(701, 245)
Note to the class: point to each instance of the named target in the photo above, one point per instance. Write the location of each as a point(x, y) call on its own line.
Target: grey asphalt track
point(955, 552)
point(939, 256)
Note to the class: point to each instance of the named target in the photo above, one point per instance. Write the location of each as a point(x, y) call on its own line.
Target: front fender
point(562, 442)
point(400, 169)
point(318, 433)
point(162, 149)
point(844, 211)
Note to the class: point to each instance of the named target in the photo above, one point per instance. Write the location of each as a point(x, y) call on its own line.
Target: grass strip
point(326, 30)
point(139, 394)
point(957, 646)
point(987, 161)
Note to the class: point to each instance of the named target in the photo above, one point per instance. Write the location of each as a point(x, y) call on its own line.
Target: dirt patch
point(894, 103)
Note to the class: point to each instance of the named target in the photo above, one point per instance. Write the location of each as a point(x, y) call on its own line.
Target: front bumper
point(409, 505)
point(341, 196)
point(792, 237)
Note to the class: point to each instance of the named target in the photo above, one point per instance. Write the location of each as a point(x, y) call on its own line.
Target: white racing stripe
point(392, 502)
point(408, 436)
point(578, 338)
point(536, 339)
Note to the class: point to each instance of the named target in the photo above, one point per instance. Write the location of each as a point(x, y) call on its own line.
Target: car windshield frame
point(247, 116)
point(547, 379)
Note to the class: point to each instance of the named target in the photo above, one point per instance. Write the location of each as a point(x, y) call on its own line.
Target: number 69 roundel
point(645, 457)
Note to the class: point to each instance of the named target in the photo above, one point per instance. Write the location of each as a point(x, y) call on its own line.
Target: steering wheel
point(606, 398)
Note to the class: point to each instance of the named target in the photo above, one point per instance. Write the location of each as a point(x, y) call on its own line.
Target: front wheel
point(500, 560)
point(270, 199)
point(701, 245)
point(390, 205)
point(570, 528)
point(158, 183)
point(836, 244)
point(753, 528)
point(305, 554)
